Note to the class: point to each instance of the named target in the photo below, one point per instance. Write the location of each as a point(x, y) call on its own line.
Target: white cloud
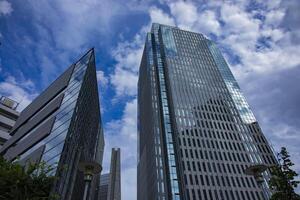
point(187, 16)
point(125, 82)
point(159, 16)
point(18, 90)
point(237, 20)
point(274, 17)
point(128, 53)
point(241, 31)
point(128, 56)
point(125, 76)
point(271, 4)
point(101, 78)
point(208, 22)
point(5, 7)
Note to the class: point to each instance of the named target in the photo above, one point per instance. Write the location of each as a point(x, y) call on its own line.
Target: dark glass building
point(196, 132)
point(62, 126)
point(110, 183)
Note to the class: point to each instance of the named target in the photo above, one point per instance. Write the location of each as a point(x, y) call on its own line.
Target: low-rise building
point(8, 117)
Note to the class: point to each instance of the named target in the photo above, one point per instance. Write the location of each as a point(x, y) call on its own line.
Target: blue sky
point(260, 40)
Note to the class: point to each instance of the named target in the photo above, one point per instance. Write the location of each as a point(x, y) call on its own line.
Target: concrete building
point(196, 133)
point(62, 127)
point(110, 184)
point(8, 117)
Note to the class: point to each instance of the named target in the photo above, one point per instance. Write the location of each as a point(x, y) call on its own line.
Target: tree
point(20, 183)
point(282, 180)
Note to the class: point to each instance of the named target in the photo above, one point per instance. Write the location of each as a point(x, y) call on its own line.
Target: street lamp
point(256, 171)
point(89, 169)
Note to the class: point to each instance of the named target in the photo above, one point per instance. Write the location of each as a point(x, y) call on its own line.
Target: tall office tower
point(110, 184)
point(196, 132)
point(62, 127)
point(8, 117)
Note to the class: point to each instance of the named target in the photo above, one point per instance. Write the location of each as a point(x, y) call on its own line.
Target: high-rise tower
point(62, 127)
point(196, 132)
point(110, 183)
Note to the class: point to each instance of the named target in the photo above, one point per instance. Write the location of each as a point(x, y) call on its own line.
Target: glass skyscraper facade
point(196, 132)
point(62, 127)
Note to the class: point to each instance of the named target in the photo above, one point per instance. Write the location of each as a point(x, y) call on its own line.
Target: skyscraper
point(8, 117)
point(196, 132)
point(110, 183)
point(62, 126)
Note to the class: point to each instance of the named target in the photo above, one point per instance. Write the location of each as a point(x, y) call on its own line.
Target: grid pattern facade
point(211, 135)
